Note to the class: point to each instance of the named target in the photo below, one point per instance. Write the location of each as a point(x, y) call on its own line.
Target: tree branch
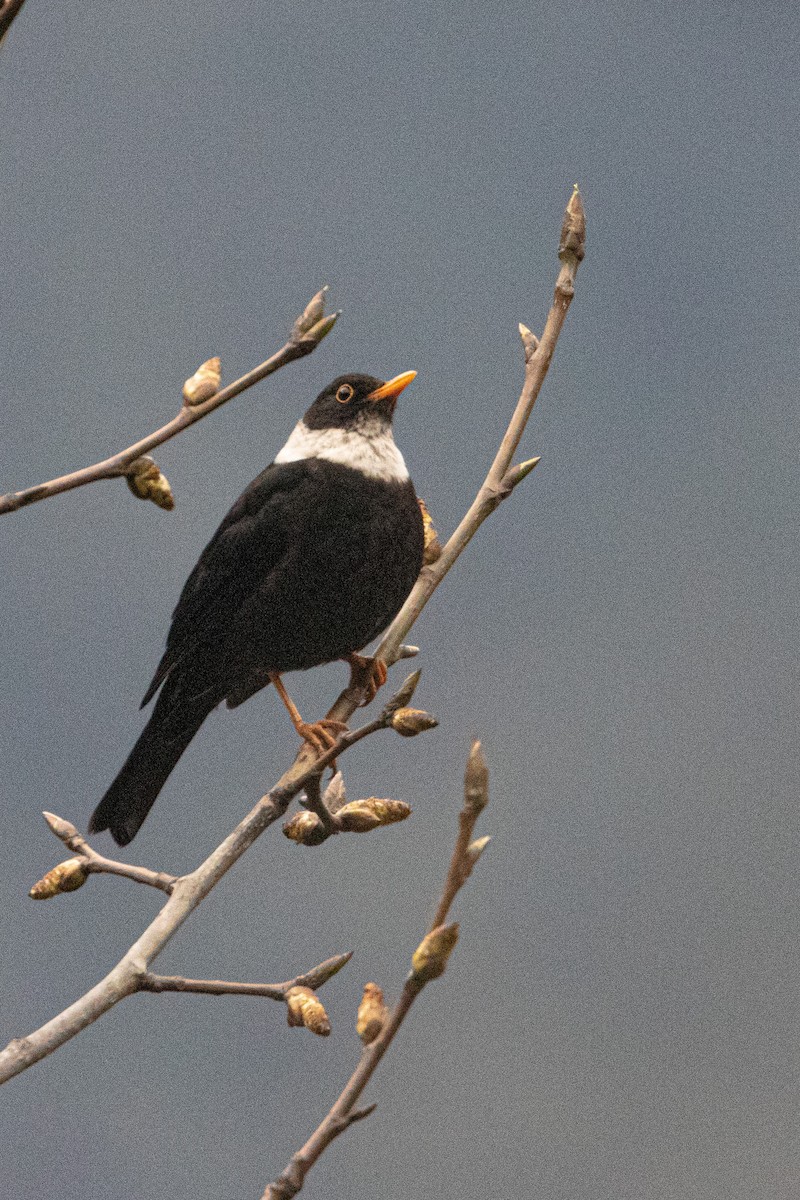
point(308, 331)
point(428, 962)
point(189, 890)
point(8, 11)
point(312, 979)
point(498, 484)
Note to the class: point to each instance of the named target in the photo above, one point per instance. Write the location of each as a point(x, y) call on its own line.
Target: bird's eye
point(344, 394)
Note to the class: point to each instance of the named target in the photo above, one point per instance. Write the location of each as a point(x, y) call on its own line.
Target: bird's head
point(357, 401)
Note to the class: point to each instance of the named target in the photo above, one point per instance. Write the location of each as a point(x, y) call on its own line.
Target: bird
point(311, 563)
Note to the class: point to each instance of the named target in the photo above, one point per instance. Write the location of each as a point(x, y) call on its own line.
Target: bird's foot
point(368, 674)
point(322, 735)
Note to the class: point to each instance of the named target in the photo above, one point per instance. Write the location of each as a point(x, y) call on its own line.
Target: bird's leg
point(322, 734)
point(368, 674)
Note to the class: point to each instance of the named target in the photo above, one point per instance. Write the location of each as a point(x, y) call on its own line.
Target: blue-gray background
point(620, 1017)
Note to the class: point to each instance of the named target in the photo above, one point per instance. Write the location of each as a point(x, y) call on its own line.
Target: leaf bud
point(312, 313)
point(312, 337)
point(147, 482)
point(433, 547)
point(476, 781)
point(305, 828)
point(68, 876)
point(530, 342)
point(359, 816)
point(372, 1014)
point(430, 957)
point(404, 693)
point(408, 722)
point(335, 795)
point(304, 1007)
point(572, 243)
point(204, 383)
point(475, 850)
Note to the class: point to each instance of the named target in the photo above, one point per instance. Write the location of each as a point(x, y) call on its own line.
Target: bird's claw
point(322, 735)
point(369, 674)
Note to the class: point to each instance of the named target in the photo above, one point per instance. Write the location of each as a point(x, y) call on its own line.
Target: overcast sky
point(619, 1021)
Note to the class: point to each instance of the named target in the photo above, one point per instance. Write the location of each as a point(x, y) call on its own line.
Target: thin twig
point(498, 483)
point(314, 979)
point(188, 891)
point(344, 1113)
point(301, 342)
point(99, 864)
point(191, 889)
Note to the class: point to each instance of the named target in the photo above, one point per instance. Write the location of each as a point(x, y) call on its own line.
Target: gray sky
point(619, 1020)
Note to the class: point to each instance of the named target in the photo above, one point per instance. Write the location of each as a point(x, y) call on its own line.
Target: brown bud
point(305, 828)
point(530, 342)
point(430, 957)
point(68, 876)
point(304, 1007)
point(312, 313)
point(573, 231)
point(408, 722)
point(335, 795)
point(476, 781)
point(146, 481)
point(311, 338)
point(404, 693)
point(61, 828)
point(359, 816)
point(372, 1014)
point(433, 547)
point(204, 383)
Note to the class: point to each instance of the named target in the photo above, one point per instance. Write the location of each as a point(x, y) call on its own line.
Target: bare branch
point(189, 890)
point(428, 962)
point(303, 340)
point(493, 491)
point(99, 864)
point(312, 980)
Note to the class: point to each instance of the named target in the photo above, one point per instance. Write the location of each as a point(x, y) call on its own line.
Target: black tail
point(163, 740)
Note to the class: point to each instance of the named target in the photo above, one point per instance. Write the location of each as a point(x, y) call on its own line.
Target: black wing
point(250, 542)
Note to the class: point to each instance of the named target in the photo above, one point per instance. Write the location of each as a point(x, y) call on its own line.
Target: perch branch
point(429, 961)
point(190, 890)
point(306, 335)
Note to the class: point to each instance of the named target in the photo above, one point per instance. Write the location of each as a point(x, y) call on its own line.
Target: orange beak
point(392, 389)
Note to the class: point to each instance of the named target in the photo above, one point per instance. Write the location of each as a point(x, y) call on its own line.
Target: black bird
point(313, 561)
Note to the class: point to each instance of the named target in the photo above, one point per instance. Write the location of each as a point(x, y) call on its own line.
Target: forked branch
point(428, 962)
point(308, 331)
point(188, 891)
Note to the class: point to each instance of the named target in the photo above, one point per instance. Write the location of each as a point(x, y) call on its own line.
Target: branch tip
point(476, 781)
point(325, 971)
point(61, 828)
point(572, 244)
point(404, 693)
